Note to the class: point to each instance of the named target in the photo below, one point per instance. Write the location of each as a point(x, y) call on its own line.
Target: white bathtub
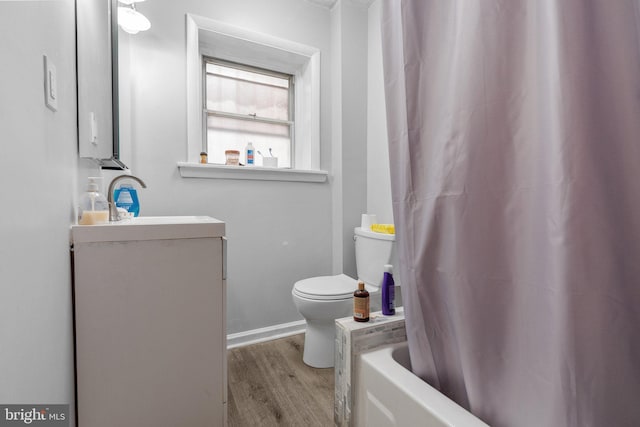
point(388, 394)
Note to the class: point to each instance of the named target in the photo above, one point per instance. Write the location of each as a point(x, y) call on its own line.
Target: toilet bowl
point(323, 299)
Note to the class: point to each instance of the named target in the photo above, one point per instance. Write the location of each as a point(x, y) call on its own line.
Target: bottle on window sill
point(250, 154)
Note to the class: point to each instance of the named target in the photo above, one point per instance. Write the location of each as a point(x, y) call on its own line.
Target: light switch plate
point(50, 85)
point(93, 125)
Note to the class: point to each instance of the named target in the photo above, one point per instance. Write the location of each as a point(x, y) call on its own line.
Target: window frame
point(225, 41)
point(257, 70)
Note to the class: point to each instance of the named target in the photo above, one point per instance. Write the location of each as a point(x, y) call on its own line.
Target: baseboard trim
point(265, 334)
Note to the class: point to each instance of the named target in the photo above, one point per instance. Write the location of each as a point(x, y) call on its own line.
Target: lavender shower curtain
point(514, 140)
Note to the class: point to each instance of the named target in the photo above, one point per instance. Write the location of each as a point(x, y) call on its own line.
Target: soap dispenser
point(94, 208)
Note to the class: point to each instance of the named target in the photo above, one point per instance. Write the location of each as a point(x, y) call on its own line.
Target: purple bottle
point(388, 292)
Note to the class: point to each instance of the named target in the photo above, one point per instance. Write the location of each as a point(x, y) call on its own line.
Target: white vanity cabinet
point(150, 333)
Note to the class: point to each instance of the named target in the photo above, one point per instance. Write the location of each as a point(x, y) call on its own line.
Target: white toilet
point(322, 300)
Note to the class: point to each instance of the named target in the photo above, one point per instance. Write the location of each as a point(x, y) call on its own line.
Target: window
point(231, 45)
point(248, 104)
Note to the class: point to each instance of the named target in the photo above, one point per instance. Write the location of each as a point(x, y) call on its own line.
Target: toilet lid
point(326, 287)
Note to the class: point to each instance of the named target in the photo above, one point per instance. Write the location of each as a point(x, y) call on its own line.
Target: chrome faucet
point(113, 211)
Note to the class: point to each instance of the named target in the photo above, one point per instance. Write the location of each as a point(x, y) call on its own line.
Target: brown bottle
point(361, 304)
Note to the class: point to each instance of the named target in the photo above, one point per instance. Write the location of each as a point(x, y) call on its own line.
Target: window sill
point(215, 171)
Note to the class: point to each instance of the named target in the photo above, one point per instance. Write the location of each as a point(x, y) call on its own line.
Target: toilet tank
point(373, 251)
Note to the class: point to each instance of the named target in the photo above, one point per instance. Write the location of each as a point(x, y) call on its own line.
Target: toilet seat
point(326, 287)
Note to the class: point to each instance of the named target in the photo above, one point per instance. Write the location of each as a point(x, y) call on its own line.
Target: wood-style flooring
point(269, 385)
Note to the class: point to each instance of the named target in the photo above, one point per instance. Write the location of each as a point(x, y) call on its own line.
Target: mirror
point(97, 74)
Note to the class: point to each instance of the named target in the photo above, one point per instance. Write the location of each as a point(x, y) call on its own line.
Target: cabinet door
point(150, 338)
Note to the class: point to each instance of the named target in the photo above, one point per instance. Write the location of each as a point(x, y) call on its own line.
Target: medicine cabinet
point(97, 65)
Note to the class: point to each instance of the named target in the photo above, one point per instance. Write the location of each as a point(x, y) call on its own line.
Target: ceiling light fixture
point(130, 20)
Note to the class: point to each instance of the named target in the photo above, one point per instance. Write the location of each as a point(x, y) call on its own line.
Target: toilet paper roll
point(367, 220)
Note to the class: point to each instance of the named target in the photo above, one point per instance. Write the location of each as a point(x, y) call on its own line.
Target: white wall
point(378, 174)
point(279, 232)
point(349, 141)
point(38, 175)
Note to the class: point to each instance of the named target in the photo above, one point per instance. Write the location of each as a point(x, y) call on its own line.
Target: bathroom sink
point(149, 228)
